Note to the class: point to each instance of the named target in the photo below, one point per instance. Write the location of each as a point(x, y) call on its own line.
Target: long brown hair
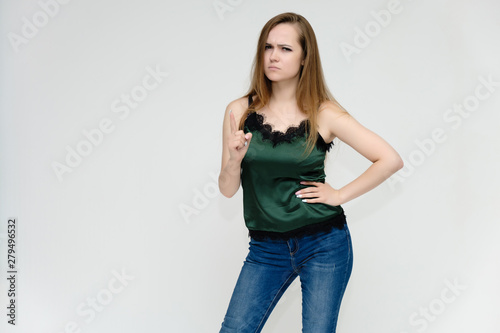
point(311, 90)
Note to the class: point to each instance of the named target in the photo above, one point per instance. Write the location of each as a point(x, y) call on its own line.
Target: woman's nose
point(274, 55)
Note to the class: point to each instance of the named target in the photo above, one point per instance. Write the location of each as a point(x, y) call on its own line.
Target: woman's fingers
point(308, 192)
point(232, 120)
point(313, 200)
point(319, 192)
point(248, 138)
point(242, 139)
point(238, 146)
point(245, 138)
point(313, 188)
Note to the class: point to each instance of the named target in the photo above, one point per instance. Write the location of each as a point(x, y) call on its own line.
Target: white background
point(143, 202)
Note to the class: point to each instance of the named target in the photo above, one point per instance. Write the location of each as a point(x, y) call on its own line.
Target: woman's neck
point(283, 100)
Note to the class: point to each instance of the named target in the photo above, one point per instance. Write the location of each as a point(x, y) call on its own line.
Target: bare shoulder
point(330, 110)
point(331, 116)
point(238, 106)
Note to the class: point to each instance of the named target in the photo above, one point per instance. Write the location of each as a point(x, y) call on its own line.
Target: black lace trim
point(337, 221)
point(255, 121)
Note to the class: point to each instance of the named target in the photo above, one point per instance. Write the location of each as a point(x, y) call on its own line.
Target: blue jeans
point(324, 263)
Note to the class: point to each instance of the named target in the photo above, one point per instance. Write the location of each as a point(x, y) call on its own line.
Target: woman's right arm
point(233, 149)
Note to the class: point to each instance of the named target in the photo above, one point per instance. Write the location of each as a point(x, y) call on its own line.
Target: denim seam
point(292, 259)
point(272, 302)
point(344, 285)
point(296, 246)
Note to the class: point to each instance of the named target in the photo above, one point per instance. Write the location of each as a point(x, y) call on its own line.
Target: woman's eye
point(267, 47)
point(287, 49)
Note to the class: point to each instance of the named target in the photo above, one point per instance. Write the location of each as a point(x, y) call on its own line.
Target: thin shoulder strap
point(250, 100)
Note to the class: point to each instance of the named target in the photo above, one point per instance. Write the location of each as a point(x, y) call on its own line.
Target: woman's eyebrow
point(280, 45)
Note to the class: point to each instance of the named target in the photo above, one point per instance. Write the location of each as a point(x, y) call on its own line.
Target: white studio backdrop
point(110, 147)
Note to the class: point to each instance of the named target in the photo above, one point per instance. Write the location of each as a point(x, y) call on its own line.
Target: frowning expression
point(283, 57)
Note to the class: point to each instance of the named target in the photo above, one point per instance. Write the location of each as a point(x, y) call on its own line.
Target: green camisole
point(271, 172)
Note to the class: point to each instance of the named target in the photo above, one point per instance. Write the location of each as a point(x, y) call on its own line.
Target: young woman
point(275, 140)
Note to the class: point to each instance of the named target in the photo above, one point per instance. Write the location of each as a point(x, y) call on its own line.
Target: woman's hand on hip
point(319, 193)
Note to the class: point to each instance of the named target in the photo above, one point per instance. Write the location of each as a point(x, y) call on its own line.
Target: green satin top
point(271, 173)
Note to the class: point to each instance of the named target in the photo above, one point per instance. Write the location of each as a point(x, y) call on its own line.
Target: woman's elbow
point(224, 190)
point(397, 163)
point(226, 194)
point(391, 164)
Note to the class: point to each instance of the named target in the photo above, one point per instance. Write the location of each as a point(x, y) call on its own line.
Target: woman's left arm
point(386, 161)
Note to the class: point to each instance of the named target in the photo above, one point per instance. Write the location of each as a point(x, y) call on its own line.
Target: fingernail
point(304, 200)
point(299, 195)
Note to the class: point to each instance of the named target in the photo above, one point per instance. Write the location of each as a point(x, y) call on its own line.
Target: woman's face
point(283, 53)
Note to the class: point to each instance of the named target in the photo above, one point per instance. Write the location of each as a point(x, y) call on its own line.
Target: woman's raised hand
point(238, 142)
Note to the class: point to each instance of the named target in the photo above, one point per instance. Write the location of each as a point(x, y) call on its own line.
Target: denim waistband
point(336, 221)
